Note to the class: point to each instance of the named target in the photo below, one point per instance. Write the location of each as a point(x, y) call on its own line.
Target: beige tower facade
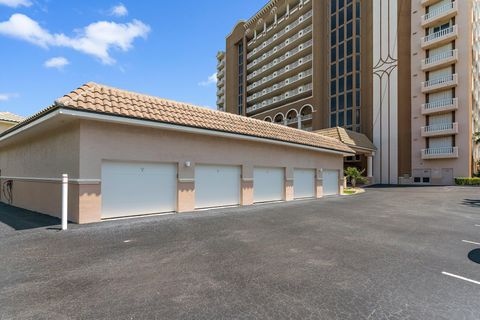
point(402, 72)
point(444, 110)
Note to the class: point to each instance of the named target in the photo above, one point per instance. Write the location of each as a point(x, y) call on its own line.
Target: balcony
point(306, 117)
point(442, 129)
point(427, 3)
point(291, 121)
point(220, 101)
point(440, 153)
point(221, 83)
point(440, 38)
point(439, 84)
point(440, 14)
point(440, 60)
point(441, 106)
point(287, 95)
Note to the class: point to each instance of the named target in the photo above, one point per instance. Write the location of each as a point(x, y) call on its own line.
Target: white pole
point(369, 166)
point(64, 201)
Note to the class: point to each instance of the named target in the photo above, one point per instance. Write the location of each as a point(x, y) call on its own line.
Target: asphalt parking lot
point(391, 253)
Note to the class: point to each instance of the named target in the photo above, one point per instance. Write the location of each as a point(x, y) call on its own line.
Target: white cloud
point(118, 11)
point(96, 39)
point(56, 62)
point(16, 3)
point(211, 80)
point(7, 96)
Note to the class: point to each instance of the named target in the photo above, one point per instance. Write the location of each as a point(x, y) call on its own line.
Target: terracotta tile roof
point(350, 138)
point(107, 100)
point(10, 117)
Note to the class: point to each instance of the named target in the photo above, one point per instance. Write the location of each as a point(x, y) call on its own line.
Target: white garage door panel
point(217, 186)
point(330, 182)
point(304, 183)
point(268, 184)
point(130, 189)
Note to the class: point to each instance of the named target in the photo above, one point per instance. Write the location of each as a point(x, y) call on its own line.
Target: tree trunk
point(353, 181)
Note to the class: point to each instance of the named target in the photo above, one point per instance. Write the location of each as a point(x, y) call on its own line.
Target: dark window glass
point(349, 82)
point(349, 30)
point(357, 75)
point(333, 71)
point(333, 87)
point(349, 13)
point(357, 62)
point(341, 67)
point(341, 51)
point(333, 38)
point(341, 4)
point(333, 6)
point(341, 85)
point(349, 65)
point(341, 119)
point(333, 120)
point(341, 102)
point(333, 22)
point(357, 44)
point(341, 34)
point(357, 7)
point(333, 54)
point(333, 104)
point(357, 99)
point(349, 100)
point(349, 47)
point(349, 117)
point(357, 116)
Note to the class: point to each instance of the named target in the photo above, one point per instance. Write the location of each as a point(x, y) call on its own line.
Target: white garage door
point(330, 182)
point(304, 183)
point(268, 184)
point(130, 189)
point(217, 186)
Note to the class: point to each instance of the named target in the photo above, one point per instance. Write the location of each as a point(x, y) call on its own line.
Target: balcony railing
point(280, 85)
point(280, 59)
point(290, 121)
point(276, 49)
point(440, 60)
point(439, 106)
point(307, 117)
point(440, 153)
point(440, 83)
point(440, 129)
point(439, 37)
point(287, 95)
point(278, 35)
point(444, 12)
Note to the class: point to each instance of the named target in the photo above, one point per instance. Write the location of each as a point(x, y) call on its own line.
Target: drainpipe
point(64, 201)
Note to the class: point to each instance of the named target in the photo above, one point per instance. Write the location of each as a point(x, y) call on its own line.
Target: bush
point(467, 181)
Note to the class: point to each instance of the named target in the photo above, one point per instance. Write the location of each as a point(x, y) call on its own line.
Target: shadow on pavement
point(474, 256)
point(474, 203)
point(21, 219)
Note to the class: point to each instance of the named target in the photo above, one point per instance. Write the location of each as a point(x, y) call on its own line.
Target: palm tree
point(355, 175)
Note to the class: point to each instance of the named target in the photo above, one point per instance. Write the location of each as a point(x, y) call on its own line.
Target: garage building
point(130, 154)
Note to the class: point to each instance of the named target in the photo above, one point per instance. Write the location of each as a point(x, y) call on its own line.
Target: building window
point(345, 64)
point(240, 77)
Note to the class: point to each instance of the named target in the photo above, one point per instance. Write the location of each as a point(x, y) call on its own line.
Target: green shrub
point(467, 181)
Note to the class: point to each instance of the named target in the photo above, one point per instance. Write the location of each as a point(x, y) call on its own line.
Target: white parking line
point(460, 277)
point(471, 242)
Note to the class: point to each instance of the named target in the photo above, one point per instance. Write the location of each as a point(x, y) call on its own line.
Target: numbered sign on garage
point(304, 183)
point(268, 184)
point(130, 189)
point(217, 186)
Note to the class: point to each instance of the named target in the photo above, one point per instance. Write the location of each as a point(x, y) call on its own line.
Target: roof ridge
point(93, 85)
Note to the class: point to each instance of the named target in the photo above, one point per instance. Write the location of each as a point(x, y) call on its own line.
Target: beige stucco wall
point(101, 141)
point(461, 166)
point(79, 150)
point(34, 161)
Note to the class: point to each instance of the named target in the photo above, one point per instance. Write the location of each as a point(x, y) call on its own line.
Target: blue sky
point(162, 48)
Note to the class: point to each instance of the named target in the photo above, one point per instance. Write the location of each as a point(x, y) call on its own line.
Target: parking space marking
point(460, 277)
point(471, 242)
